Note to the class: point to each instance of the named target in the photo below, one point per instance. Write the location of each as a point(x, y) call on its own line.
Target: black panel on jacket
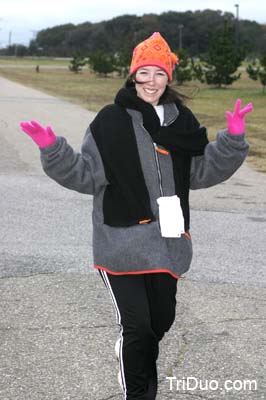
point(126, 198)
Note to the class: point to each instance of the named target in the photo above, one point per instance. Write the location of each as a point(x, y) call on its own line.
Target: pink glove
point(43, 137)
point(236, 121)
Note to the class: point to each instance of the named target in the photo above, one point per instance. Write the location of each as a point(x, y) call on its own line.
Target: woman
point(139, 158)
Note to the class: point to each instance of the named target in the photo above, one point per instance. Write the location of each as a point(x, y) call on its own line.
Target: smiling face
point(150, 84)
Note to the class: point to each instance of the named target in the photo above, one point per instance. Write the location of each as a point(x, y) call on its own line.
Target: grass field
point(208, 104)
point(33, 61)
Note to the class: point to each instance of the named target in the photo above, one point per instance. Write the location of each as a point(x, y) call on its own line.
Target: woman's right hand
point(42, 136)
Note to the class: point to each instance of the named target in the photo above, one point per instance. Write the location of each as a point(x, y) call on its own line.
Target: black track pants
point(145, 310)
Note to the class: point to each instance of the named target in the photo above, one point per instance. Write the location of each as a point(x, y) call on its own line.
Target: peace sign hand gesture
point(236, 121)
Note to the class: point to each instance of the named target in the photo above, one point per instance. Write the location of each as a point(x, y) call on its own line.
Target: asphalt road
point(57, 324)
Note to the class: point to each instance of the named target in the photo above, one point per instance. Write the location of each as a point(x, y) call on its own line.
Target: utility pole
point(9, 38)
point(237, 24)
point(180, 27)
point(0, 30)
point(237, 11)
point(34, 34)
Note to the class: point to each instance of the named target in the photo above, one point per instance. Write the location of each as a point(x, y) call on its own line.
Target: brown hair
point(170, 94)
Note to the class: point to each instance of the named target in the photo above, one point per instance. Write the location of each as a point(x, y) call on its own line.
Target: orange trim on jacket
point(162, 151)
point(145, 221)
point(152, 271)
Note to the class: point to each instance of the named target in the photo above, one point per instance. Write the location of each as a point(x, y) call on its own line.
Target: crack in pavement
point(226, 320)
point(48, 328)
point(27, 276)
point(110, 397)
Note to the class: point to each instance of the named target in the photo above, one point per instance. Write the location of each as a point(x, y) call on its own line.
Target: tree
point(53, 40)
point(183, 71)
point(258, 72)
point(17, 50)
point(102, 63)
point(128, 30)
point(122, 61)
point(77, 63)
point(222, 60)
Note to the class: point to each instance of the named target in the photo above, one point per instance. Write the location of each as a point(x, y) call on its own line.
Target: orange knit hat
point(156, 52)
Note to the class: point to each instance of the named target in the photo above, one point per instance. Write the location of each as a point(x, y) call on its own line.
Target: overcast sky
point(25, 17)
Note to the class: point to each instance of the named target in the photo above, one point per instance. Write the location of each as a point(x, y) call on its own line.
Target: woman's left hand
point(236, 121)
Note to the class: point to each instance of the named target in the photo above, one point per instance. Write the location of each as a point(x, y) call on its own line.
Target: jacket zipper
point(157, 162)
point(158, 169)
point(157, 159)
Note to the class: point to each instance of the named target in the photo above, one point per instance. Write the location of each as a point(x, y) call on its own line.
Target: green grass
point(20, 61)
point(85, 88)
point(208, 104)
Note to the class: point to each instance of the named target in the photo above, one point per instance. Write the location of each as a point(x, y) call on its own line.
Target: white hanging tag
point(170, 216)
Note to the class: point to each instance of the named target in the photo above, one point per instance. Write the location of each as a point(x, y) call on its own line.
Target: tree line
point(219, 66)
point(190, 30)
point(211, 45)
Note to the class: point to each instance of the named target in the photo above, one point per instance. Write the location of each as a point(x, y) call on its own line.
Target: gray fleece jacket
point(141, 248)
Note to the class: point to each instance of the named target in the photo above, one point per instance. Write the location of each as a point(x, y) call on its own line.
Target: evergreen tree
point(102, 63)
point(77, 63)
point(122, 61)
point(222, 60)
point(183, 71)
point(258, 72)
point(17, 50)
point(198, 70)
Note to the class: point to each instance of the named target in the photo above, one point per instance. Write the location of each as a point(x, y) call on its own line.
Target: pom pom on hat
point(156, 52)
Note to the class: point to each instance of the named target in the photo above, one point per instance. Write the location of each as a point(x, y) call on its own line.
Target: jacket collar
point(127, 98)
point(171, 113)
